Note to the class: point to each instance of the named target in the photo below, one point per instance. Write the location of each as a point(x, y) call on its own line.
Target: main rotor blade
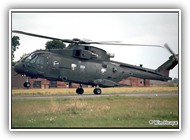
point(123, 44)
point(42, 36)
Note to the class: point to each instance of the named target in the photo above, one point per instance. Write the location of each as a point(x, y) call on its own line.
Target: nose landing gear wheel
point(97, 91)
point(27, 84)
point(79, 90)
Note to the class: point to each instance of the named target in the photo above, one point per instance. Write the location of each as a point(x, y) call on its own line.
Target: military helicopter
point(83, 63)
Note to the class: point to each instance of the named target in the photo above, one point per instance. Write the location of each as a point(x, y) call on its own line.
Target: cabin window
point(86, 47)
point(77, 53)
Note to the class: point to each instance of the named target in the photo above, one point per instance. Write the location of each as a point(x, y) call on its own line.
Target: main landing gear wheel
point(79, 90)
point(27, 84)
point(97, 91)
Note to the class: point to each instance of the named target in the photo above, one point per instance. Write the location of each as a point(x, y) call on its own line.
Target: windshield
point(24, 56)
point(28, 57)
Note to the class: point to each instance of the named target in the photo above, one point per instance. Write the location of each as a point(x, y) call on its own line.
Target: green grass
point(103, 112)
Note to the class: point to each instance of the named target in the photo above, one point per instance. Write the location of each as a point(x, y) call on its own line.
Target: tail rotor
point(170, 50)
point(170, 64)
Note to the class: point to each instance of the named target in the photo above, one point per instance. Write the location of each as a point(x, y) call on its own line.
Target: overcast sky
point(137, 28)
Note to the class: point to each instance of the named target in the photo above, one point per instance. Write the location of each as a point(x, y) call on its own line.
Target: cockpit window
point(29, 57)
point(40, 60)
point(24, 56)
point(33, 60)
point(36, 58)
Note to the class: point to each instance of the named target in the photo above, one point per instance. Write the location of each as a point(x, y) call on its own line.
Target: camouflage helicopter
point(83, 63)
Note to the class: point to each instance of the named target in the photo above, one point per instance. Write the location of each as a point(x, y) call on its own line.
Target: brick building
point(135, 82)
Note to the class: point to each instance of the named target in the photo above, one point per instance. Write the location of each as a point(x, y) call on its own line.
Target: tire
point(27, 84)
point(79, 90)
point(97, 91)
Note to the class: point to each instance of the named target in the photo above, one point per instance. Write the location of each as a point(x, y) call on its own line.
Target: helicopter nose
point(18, 67)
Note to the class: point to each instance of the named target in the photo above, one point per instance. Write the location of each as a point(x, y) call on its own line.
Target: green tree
point(54, 44)
point(15, 44)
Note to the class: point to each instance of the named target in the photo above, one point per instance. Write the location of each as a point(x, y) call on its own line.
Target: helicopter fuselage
point(83, 64)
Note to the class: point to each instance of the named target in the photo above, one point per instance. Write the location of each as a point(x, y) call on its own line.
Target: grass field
point(116, 90)
point(102, 112)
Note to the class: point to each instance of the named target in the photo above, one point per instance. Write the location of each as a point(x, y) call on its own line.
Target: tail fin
point(168, 65)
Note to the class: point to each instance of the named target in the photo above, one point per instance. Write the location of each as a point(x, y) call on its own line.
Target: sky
point(133, 28)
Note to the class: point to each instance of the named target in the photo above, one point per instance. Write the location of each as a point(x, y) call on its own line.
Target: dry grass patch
point(116, 90)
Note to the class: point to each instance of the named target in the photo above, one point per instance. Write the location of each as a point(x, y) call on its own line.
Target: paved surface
point(92, 95)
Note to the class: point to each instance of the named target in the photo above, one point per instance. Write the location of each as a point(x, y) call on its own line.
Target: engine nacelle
point(111, 55)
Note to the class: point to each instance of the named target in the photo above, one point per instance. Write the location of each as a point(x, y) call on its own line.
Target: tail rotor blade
point(170, 50)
